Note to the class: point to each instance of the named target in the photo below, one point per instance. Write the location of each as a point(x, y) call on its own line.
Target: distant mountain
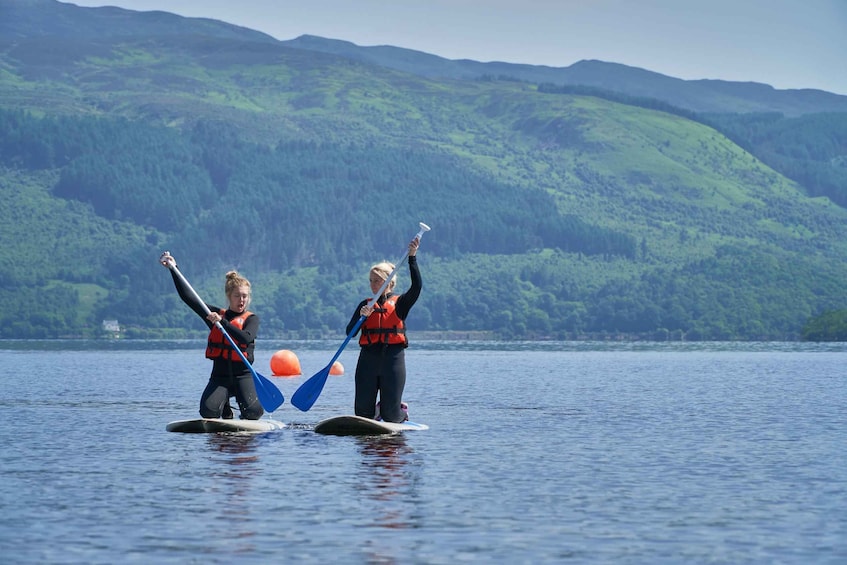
point(38, 18)
point(708, 96)
point(557, 212)
point(41, 18)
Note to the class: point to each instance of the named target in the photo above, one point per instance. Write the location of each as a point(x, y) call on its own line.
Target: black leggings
point(218, 391)
point(381, 370)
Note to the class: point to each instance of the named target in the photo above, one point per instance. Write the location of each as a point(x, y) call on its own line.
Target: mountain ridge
point(553, 214)
point(700, 95)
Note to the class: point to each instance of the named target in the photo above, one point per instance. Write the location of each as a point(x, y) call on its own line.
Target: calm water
point(562, 452)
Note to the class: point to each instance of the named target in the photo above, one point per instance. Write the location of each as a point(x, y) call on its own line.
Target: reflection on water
point(239, 448)
point(232, 472)
point(389, 479)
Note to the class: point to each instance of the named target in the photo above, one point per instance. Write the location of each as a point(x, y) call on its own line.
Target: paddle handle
point(424, 228)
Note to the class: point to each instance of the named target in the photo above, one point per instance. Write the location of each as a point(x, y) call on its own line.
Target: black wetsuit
point(382, 367)
point(228, 378)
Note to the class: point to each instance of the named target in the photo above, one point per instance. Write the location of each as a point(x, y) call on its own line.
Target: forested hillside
point(555, 214)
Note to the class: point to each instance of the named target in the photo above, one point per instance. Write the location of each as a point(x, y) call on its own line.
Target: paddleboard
point(214, 425)
point(358, 426)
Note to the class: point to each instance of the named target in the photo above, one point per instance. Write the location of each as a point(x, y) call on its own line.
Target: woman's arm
point(355, 318)
point(246, 334)
point(189, 298)
point(408, 298)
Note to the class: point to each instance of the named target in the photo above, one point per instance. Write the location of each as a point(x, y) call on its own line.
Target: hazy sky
point(784, 43)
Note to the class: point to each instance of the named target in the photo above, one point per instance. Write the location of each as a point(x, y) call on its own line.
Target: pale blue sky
point(784, 43)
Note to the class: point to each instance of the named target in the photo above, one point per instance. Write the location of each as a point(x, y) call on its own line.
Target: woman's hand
point(366, 310)
point(167, 260)
point(214, 317)
point(413, 247)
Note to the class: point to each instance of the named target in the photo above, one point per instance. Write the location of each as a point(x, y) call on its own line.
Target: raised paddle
point(306, 395)
point(269, 396)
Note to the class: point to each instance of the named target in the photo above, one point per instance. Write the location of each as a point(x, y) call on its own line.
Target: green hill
point(554, 214)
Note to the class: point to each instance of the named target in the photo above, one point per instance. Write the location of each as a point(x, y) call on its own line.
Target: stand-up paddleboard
point(359, 426)
point(214, 425)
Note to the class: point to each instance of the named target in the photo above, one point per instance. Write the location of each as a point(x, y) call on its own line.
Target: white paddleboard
point(359, 426)
point(214, 425)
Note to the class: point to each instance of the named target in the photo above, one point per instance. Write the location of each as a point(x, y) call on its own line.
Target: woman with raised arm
point(230, 375)
point(381, 369)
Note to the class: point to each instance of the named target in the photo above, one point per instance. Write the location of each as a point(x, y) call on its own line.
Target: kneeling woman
point(381, 368)
point(230, 375)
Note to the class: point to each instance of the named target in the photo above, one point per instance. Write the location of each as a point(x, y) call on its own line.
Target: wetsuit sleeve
point(247, 334)
point(355, 317)
point(408, 298)
point(190, 300)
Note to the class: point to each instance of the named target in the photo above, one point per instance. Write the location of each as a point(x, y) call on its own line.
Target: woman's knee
point(252, 412)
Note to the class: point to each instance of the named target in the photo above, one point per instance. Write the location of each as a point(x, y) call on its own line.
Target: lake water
point(536, 453)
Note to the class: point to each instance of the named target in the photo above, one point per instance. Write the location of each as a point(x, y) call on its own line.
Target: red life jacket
point(219, 347)
point(383, 325)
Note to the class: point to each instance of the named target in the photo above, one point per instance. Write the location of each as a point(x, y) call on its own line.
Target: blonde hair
point(382, 270)
point(235, 280)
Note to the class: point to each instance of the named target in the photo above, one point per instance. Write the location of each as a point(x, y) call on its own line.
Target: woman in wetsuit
point(381, 369)
point(230, 375)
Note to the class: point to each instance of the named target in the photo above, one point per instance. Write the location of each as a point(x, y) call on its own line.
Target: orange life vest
point(383, 325)
point(219, 347)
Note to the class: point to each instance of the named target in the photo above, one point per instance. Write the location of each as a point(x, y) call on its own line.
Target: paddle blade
point(269, 396)
point(308, 393)
point(305, 396)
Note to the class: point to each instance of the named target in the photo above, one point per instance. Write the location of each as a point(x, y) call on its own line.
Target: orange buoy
point(336, 369)
point(284, 363)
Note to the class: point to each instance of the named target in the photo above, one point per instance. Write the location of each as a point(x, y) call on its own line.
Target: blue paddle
point(306, 395)
point(269, 396)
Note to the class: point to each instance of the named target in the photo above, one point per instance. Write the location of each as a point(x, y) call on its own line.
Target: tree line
point(217, 200)
point(315, 215)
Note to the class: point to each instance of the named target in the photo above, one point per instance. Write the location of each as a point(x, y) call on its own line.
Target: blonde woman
point(230, 375)
point(381, 369)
